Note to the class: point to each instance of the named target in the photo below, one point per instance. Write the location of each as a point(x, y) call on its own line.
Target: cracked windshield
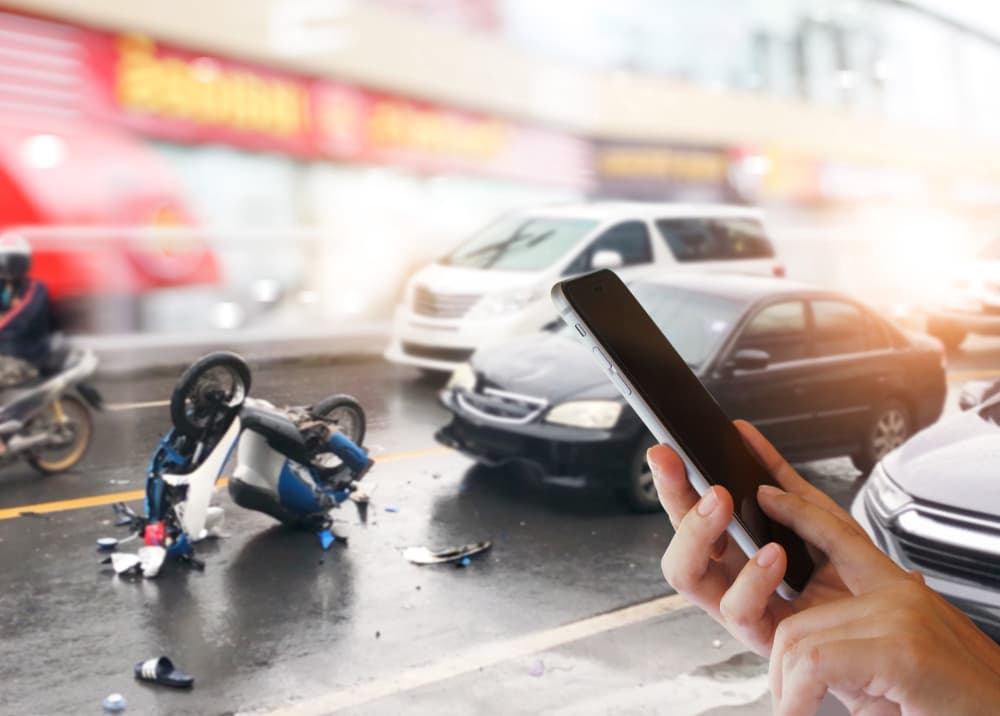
point(500, 357)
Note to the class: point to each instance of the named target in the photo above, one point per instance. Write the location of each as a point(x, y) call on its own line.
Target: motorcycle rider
point(25, 322)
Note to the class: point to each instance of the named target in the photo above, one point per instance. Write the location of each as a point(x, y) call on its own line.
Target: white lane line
point(118, 407)
point(482, 657)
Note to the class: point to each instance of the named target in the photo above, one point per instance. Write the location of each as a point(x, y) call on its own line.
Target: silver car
point(934, 505)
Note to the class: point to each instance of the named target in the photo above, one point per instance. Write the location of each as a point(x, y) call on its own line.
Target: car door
point(853, 370)
point(629, 239)
point(774, 398)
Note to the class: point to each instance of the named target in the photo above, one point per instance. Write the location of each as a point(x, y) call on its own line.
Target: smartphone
point(678, 410)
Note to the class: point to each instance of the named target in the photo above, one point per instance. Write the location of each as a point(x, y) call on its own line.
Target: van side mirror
point(606, 259)
point(749, 359)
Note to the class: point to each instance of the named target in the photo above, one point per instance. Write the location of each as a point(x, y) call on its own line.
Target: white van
point(496, 284)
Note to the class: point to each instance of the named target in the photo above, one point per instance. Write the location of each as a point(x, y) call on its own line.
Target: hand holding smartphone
point(678, 410)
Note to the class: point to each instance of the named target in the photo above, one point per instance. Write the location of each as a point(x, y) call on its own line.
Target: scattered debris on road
point(147, 562)
point(422, 555)
point(161, 670)
point(391, 509)
point(115, 703)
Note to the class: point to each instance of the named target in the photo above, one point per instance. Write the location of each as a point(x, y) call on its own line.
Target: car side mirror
point(749, 359)
point(606, 259)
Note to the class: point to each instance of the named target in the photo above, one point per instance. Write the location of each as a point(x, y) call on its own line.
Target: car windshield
point(695, 323)
point(519, 243)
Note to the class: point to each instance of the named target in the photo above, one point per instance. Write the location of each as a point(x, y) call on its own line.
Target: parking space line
point(78, 503)
point(483, 657)
point(972, 375)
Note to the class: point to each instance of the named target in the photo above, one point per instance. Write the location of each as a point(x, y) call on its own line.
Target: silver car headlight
point(596, 414)
point(463, 378)
point(885, 496)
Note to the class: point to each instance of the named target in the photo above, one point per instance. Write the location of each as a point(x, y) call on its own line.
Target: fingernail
point(770, 490)
point(767, 556)
point(708, 503)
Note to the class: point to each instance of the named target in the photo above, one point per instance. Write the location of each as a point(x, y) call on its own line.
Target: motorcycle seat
point(279, 431)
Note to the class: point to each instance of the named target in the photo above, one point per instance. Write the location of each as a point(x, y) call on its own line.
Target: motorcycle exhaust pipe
point(19, 443)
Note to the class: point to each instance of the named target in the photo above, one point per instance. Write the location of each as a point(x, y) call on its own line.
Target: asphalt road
point(274, 621)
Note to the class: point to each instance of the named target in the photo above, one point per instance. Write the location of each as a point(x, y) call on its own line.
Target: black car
point(818, 372)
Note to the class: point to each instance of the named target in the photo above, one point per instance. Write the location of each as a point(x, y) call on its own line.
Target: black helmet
point(15, 257)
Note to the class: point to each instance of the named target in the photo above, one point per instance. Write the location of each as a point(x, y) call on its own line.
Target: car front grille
point(945, 544)
point(442, 305)
point(501, 406)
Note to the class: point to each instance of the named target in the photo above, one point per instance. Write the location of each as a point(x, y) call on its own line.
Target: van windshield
point(519, 243)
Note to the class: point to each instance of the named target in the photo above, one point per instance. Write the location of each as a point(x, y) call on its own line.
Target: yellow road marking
point(118, 407)
point(972, 375)
point(483, 657)
point(109, 499)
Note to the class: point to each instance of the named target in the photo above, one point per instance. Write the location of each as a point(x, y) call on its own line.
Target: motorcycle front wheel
point(345, 412)
point(70, 419)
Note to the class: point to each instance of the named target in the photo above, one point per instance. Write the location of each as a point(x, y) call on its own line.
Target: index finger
point(859, 563)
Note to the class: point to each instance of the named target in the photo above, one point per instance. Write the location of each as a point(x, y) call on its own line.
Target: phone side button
point(602, 359)
point(579, 329)
point(621, 385)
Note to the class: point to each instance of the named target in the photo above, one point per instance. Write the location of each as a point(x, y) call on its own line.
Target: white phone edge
point(659, 431)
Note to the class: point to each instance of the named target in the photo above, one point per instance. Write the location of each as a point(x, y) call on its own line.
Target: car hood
point(551, 366)
point(955, 462)
point(441, 278)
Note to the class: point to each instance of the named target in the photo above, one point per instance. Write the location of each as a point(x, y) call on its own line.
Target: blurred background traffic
point(288, 164)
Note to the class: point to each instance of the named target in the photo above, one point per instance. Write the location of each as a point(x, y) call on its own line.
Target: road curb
point(144, 354)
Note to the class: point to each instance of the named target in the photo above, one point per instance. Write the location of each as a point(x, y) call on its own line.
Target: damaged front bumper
point(561, 455)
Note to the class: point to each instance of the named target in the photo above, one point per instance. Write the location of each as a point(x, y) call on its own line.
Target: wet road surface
point(274, 621)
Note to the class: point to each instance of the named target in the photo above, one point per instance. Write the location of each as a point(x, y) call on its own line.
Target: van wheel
point(889, 427)
point(639, 491)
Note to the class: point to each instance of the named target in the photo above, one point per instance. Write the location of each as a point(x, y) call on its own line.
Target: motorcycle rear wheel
point(345, 412)
point(76, 419)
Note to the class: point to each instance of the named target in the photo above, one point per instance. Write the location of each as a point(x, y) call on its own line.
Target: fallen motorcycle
point(296, 464)
point(48, 422)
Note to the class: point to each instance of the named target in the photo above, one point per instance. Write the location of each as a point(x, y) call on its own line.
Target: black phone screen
point(644, 356)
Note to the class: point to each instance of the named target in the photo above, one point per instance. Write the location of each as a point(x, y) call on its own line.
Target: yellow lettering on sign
point(662, 163)
point(173, 88)
point(396, 126)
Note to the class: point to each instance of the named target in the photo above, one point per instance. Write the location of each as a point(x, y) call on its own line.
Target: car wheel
point(950, 334)
point(639, 491)
point(888, 428)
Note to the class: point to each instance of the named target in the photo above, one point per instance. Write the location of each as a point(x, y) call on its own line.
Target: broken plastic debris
point(151, 559)
point(147, 562)
point(106, 543)
point(392, 509)
point(326, 538)
point(464, 562)
point(214, 518)
point(536, 668)
point(422, 555)
point(115, 703)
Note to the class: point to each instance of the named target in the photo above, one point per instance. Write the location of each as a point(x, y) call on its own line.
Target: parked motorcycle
point(48, 421)
point(296, 464)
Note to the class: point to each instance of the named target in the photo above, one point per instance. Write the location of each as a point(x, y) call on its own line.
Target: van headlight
point(596, 414)
point(462, 378)
point(503, 304)
point(886, 497)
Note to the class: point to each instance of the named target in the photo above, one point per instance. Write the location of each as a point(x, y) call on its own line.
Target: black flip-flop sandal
point(162, 671)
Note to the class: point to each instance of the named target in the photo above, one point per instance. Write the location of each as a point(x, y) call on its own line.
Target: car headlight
point(886, 497)
point(463, 377)
point(597, 414)
point(503, 304)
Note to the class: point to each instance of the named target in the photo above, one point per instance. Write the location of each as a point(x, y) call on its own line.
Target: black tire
point(950, 334)
point(889, 427)
point(81, 425)
point(345, 412)
point(209, 393)
point(639, 492)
